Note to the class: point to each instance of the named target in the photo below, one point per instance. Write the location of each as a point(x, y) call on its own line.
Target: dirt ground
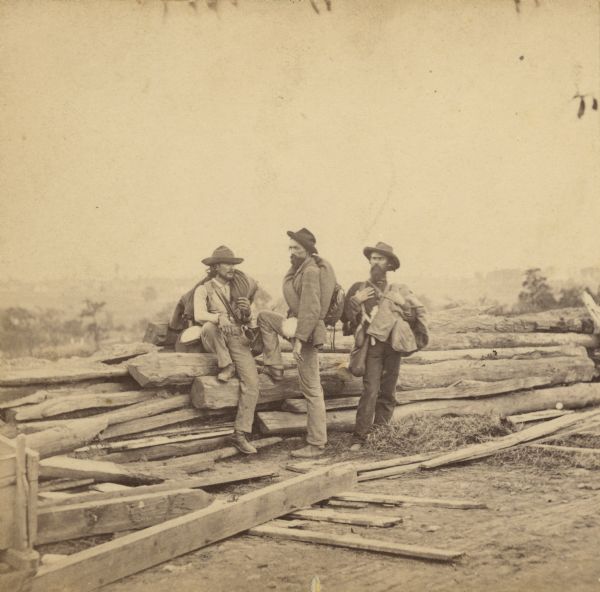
point(541, 531)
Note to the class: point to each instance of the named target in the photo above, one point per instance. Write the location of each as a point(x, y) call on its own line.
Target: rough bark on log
point(575, 396)
point(167, 369)
point(452, 341)
point(62, 372)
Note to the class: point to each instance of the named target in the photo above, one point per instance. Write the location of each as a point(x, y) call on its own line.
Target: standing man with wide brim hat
point(308, 292)
point(388, 322)
point(222, 305)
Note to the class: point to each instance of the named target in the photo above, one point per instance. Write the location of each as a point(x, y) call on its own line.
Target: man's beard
point(296, 261)
point(377, 273)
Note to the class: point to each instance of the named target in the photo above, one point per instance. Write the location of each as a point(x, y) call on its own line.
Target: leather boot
point(226, 373)
point(239, 440)
point(308, 451)
point(275, 374)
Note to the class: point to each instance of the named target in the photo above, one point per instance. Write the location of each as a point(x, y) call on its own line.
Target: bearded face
point(297, 254)
point(379, 267)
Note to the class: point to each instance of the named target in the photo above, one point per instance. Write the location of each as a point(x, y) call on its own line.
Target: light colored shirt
point(208, 306)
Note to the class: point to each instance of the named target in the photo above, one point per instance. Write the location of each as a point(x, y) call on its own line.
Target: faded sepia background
point(137, 136)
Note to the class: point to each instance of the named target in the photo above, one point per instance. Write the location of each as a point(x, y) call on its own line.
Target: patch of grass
point(418, 434)
point(546, 459)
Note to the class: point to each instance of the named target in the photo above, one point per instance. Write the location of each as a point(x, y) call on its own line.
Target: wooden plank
point(335, 503)
point(66, 437)
point(61, 372)
point(21, 539)
point(74, 468)
point(592, 309)
point(62, 484)
point(575, 396)
point(73, 521)
point(402, 500)
point(567, 449)
point(538, 415)
point(217, 478)
point(351, 541)
point(32, 464)
point(76, 402)
point(8, 500)
point(119, 352)
point(109, 562)
point(354, 518)
point(477, 451)
point(390, 472)
point(395, 461)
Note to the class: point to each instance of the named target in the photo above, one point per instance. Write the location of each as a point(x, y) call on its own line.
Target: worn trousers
point(270, 324)
point(231, 350)
point(378, 399)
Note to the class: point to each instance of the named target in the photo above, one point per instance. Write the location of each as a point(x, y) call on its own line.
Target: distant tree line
point(537, 294)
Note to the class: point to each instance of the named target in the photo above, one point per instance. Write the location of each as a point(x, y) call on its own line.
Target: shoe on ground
point(308, 451)
point(357, 443)
point(239, 440)
point(275, 374)
point(226, 373)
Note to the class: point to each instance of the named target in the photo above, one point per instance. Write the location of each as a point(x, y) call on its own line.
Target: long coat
point(308, 295)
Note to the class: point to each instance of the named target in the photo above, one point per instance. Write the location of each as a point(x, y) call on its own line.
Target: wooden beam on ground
point(566, 449)
point(352, 541)
point(57, 467)
point(62, 484)
point(76, 402)
point(575, 396)
point(396, 461)
point(354, 518)
point(538, 415)
point(120, 352)
point(218, 478)
point(403, 500)
point(109, 562)
point(73, 521)
point(485, 449)
point(167, 369)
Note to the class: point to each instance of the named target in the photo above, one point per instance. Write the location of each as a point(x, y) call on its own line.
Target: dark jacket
point(308, 293)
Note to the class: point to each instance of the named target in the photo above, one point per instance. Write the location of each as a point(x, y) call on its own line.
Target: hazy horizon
point(445, 128)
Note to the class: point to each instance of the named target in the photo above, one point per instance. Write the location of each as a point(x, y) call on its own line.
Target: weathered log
point(75, 402)
point(74, 521)
point(402, 500)
point(136, 426)
point(114, 354)
point(300, 405)
point(538, 415)
point(193, 463)
point(28, 395)
point(353, 518)
point(57, 467)
point(169, 450)
point(593, 310)
point(209, 393)
point(62, 372)
point(575, 396)
point(561, 320)
point(66, 437)
point(167, 369)
point(452, 341)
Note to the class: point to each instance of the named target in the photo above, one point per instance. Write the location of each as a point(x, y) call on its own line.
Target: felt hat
point(222, 254)
point(386, 250)
point(306, 238)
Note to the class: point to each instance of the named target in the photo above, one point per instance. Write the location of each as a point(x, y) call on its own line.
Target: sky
point(141, 138)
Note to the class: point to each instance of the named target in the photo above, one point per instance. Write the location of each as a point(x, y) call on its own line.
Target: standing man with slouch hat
point(393, 324)
point(221, 304)
point(308, 287)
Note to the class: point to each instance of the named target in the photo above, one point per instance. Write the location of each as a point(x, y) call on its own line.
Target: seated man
point(221, 305)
